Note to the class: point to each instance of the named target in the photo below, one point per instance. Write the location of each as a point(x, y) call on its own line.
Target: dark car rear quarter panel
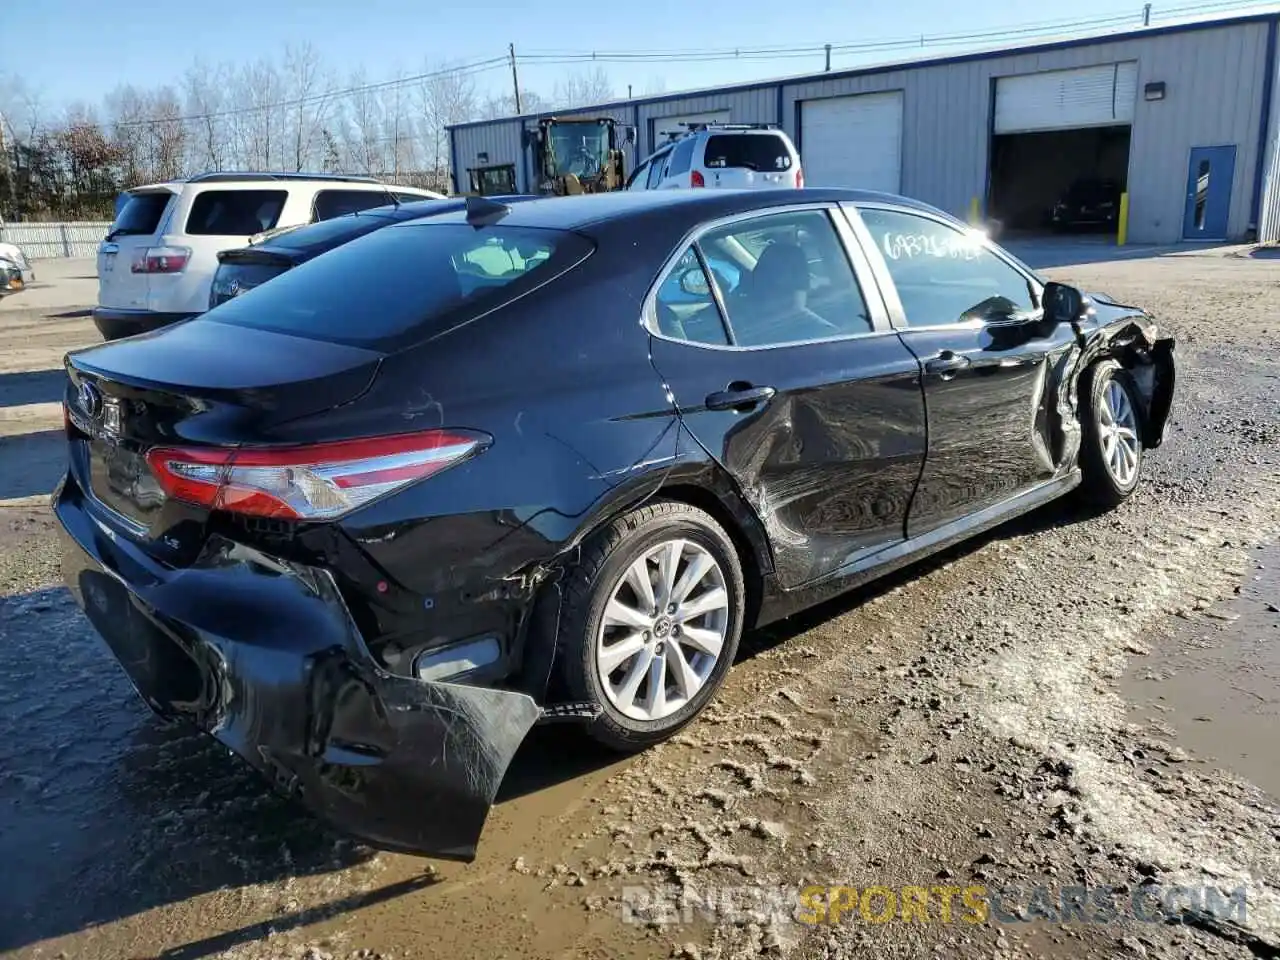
point(561, 381)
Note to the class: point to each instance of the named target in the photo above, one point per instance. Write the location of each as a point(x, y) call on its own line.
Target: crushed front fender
point(264, 656)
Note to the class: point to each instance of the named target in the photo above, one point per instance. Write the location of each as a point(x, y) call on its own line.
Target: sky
point(72, 50)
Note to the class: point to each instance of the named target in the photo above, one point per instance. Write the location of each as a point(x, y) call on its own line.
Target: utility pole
point(628, 91)
point(828, 67)
point(515, 77)
point(1146, 14)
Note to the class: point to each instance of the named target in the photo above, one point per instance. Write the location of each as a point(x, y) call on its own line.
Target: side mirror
point(1062, 304)
point(694, 282)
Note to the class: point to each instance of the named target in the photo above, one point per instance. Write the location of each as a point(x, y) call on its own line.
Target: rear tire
point(651, 666)
point(1111, 434)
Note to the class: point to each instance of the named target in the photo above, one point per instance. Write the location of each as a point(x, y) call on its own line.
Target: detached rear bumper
point(265, 658)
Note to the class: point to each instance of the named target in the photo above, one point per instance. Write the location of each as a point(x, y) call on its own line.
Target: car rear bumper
point(263, 656)
point(116, 322)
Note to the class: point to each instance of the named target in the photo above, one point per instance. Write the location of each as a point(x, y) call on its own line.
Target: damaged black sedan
point(549, 460)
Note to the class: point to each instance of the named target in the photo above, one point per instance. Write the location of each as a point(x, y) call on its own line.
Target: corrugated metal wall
point(1269, 217)
point(500, 140)
point(46, 240)
point(1214, 88)
point(1213, 80)
point(758, 105)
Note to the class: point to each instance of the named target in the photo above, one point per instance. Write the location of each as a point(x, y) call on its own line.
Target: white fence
point(40, 241)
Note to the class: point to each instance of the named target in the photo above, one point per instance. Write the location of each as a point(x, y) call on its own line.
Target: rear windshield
point(232, 213)
point(404, 283)
point(752, 151)
point(141, 213)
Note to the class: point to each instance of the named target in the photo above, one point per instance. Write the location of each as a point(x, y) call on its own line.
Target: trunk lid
point(138, 226)
point(221, 386)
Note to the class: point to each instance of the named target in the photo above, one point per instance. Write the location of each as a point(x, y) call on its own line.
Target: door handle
point(739, 396)
point(947, 364)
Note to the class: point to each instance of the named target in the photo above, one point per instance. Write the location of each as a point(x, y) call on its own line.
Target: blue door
point(1208, 193)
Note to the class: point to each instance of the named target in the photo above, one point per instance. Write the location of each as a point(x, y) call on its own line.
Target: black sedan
point(542, 463)
point(1089, 202)
point(270, 254)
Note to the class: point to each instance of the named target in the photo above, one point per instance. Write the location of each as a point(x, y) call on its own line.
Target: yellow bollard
point(975, 213)
point(1122, 229)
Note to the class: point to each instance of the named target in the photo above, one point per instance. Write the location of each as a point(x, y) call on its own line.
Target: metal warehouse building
point(1182, 116)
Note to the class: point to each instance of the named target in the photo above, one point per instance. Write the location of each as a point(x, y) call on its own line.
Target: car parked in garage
point(272, 253)
point(742, 156)
point(469, 472)
point(157, 260)
point(1088, 202)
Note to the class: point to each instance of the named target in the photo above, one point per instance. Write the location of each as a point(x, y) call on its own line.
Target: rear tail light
point(799, 178)
point(695, 179)
point(162, 260)
point(316, 482)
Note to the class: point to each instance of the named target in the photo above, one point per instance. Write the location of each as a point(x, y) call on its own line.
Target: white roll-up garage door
point(853, 141)
point(1067, 99)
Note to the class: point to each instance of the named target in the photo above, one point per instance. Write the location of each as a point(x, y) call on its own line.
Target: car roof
point(576, 212)
point(306, 239)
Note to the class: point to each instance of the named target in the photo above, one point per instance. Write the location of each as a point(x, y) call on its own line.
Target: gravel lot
point(1071, 700)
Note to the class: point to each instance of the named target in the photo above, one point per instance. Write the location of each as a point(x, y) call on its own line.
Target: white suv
point(755, 156)
point(159, 257)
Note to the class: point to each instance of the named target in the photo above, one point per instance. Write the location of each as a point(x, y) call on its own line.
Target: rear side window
point(235, 212)
point(334, 203)
point(682, 157)
point(141, 213)
point(405, 283)
point(752, 151)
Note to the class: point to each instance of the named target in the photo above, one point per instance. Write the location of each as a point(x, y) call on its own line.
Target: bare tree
point(305, 83)
point(207, 98)
point(126, 108)
point(584, 89)
point(256, 91)
point(443, 98)
point(364, 125)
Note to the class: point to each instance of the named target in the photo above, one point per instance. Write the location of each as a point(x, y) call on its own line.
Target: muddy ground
point(1070, 700)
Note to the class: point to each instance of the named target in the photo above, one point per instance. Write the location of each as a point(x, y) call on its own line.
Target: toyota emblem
point(90, 399)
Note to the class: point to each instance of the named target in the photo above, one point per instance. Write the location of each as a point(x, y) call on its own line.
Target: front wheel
point(1111, 434)
point(652, 618)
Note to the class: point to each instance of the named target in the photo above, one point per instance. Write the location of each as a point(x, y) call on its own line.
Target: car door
point(991, 365)
point(785, 369)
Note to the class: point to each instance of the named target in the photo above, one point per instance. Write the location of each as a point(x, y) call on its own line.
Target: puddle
point(1215, 679)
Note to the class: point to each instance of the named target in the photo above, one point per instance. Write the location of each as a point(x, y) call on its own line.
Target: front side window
point(235, 213)
point(639, 177)
point(794, 281)
point(656, 166)
point(944, 275)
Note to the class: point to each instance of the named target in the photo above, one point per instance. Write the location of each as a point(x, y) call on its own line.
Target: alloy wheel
point(1118, 433)
point(663, 630)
